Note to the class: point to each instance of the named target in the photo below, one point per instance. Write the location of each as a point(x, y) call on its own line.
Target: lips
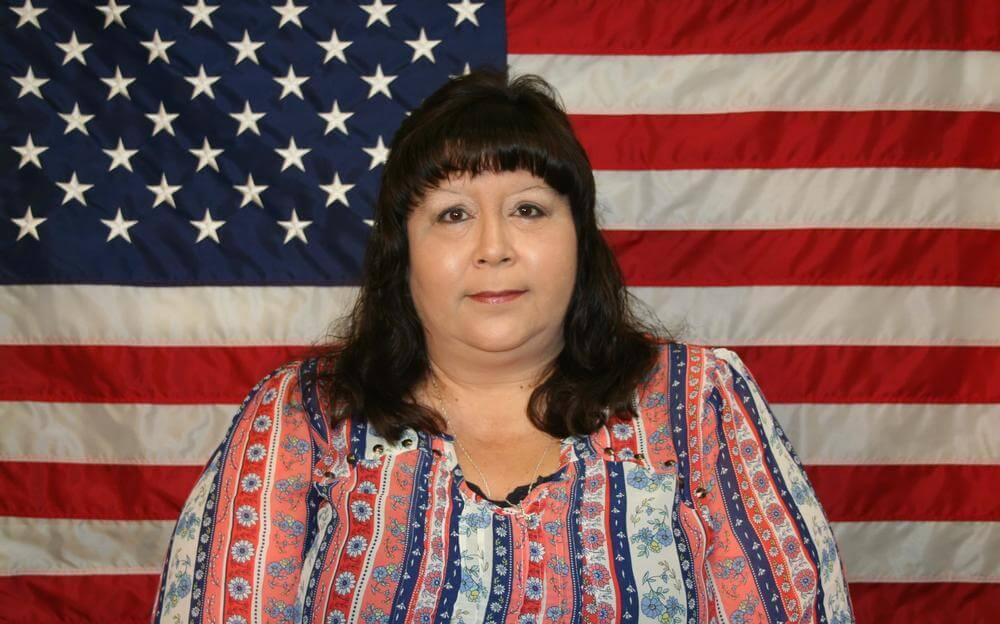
point(497, 296)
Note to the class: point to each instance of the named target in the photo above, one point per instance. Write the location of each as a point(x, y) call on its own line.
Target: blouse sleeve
point(237, 546)
point(769, 522)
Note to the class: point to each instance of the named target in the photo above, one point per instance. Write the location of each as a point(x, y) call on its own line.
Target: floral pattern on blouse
point(697, 511)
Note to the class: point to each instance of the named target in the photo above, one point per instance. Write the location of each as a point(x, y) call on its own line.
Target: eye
point(530, 211)
point(446, 216)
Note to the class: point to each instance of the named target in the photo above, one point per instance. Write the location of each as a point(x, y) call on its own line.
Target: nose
point(494, 240)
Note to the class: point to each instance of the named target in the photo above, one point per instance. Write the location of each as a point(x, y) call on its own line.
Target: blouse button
point(699, 492)
point(328, 474)
point(378, 448)
point(436, 452)
point(669, 463)
point(352, 458)
point(609, 451)
point(407, 443)
point(640, 456)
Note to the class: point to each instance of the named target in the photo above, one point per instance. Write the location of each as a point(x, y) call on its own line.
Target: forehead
point(507, 182)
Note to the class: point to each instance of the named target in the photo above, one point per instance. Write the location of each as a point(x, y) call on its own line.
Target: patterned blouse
point(698, 511)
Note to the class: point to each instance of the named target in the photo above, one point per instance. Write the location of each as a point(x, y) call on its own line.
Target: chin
point(502, 337)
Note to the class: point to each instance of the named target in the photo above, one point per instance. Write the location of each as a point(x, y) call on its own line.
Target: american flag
point(186, 191)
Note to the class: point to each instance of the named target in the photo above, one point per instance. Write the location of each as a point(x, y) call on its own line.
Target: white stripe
point(816, 315)
point(738, 315)
point(892, 433)
point(872, 551)
point(112, 433)
point(793, 81)
point(960, 552)
point(798, 198)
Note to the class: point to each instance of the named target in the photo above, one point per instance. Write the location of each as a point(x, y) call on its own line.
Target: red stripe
point(848, 493)
point(791, 139)
point(182, 375)
point(124, 374)
point(937, 493)
point(910, 603)
point(815, 257)
point(118, 598)
point(95, 491)
point(712, 27)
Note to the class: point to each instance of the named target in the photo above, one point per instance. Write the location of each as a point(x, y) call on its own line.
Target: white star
point(465, 72)
point(292, 155)
point(113, 13)
point(200, 12)
point(157, 48)
point(423, 47)
point(29, 153)
point(206, 155)
point(334, 48)
point(162, 120)
point(377, 12)
point(120, 156)
point(118, 227)
point(289, 13)
point(335, 119)
point(207, 227)
point(202, 83)
point(164, 192)
point(28, 225)
point(295, 228)
point(379, 82)
point(379, 153)
point(74, 190)
point(291, 84)
point(466, 10)
point(74, 50)
point(251, 192)
point(76, 121)
point(247, 49)
point(336, 191)
point(247, 119)
point(30, 84)
point(28, 14)
point(118, 84)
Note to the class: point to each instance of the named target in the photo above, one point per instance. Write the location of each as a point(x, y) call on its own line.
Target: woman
point(495, 436)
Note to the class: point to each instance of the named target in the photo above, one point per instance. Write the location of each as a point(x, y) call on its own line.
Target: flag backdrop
point(186, 193)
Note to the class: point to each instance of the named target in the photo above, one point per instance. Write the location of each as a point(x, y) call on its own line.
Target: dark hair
point(486, 122)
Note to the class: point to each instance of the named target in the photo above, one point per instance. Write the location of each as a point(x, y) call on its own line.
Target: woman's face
point(492, 233)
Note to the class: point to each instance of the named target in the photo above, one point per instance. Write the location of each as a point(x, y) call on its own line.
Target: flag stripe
point(183, 375)
point(904, 603)
point(708, 27)
point(811, 257)
point(795, 81)
point(791, 140)
point(186, 435)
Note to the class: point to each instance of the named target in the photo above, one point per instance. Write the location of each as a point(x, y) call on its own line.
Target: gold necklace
point(482, 475)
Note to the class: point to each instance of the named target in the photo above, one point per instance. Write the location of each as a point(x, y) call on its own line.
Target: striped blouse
point(697, 511)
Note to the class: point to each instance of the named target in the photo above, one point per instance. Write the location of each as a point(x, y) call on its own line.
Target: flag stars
point(248, 120)
point(423, 47)
point(120, 156)
point(164, 192)
point(292, 155)
point(377, 12)
point(201, 13)
point(206, 155)
point(162, 120)
point(74, 50)
point(378, 82)
point(207, 227)
point(29, 153)
point(118, 227)
point(157, 48)
point(291, 84)
point(118, 84)
point(336, 190)
point(113, 13)
point(466, 11)
point(379, 154)
point(28, 224)
point(289, 13)
point(246, 49)
point(76, 120)
point(30, 84)
point(74, 190)
point(28, 14)
point(334, 48)
point(202, 83)
point(251, 192)
point(335, 119)
point(295, 228)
